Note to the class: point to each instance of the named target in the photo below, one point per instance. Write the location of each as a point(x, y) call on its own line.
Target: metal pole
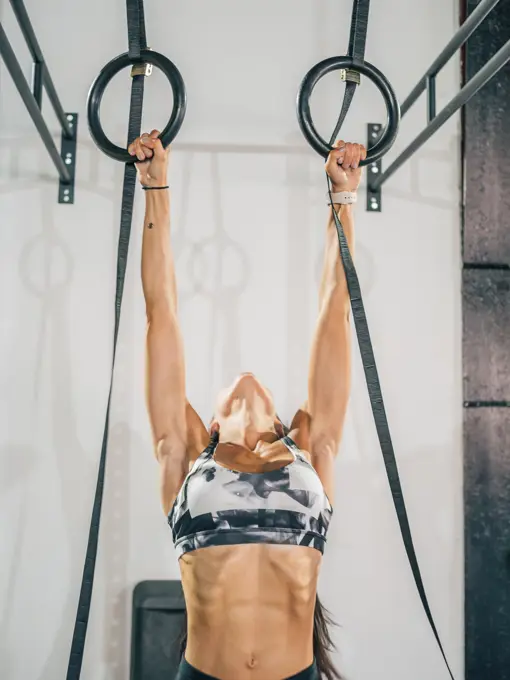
point(471, 88)
point(26, 28)
point(37, 81)
point(468, 27)
point(7, 53)
point(55, 102)
point(431, 96)
point(33, 45)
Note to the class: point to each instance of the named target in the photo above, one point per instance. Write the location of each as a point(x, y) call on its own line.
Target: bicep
point(178, 432)
point(318, 426)
point(329, 380)
point(175, 458)
point(176, 427)
point(165, 379)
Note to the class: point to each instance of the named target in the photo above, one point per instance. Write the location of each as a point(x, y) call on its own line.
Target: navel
point(252, 662)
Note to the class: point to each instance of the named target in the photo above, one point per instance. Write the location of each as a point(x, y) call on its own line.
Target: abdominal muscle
point(250, 610)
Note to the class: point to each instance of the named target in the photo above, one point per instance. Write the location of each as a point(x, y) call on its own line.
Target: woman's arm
point(177, 430)
point(321, 421)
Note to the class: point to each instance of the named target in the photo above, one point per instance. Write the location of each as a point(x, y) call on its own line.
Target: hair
point(323, 645)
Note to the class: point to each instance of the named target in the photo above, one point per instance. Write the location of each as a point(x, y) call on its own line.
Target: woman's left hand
point(343, 168)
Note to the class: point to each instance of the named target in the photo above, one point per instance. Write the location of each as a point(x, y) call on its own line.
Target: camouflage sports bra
point(217, 506)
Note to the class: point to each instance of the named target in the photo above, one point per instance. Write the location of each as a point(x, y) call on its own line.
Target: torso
point(250, 607)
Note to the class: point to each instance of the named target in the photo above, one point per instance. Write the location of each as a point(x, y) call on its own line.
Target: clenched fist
point(342, 166)
point(152, 159)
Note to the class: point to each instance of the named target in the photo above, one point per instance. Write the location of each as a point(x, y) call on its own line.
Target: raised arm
point(177, 430)
point(320, 423)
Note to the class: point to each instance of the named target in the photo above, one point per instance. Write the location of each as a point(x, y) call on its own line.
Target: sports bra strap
point(294, 448)
point(208, 452)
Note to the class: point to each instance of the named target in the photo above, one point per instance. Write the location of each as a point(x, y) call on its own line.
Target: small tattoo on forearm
point(150, 225)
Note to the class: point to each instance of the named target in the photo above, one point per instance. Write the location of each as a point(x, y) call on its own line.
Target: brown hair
point(322, 643)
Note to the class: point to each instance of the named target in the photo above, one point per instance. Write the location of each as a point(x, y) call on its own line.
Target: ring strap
point(357, 43)
point(381, 421)
point(137, 42)
point(137, 39)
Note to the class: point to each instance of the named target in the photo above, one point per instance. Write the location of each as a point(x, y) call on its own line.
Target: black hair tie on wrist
point(154, 188)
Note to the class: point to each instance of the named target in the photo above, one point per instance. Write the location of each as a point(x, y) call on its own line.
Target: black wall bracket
point(68, 154)
point(374, 169)
point(427, 83)
point(31, 94)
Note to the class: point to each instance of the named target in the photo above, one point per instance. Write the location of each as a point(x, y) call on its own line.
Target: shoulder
point(320, 452)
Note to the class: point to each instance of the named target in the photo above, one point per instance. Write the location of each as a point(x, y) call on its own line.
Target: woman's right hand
point(152, 159)
point(343, 167)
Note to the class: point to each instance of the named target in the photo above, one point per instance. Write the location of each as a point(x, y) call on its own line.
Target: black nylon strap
point(381, 422)
point(137, 39)
point(357, 43)
point(136, 36)
point(359, 30)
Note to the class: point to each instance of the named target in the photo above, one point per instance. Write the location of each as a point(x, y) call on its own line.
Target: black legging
point(187, 672)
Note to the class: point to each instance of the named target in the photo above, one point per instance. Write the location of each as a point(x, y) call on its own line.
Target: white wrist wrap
point(342, 198)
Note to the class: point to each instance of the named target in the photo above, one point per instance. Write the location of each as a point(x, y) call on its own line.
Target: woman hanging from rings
point(249, 503)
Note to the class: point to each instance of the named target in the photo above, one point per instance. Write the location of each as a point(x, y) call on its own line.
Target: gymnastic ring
point(380, 81)
point(98, 88)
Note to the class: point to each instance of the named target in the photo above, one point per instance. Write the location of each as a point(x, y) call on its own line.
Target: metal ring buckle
point(141, 66)
point(350, 76)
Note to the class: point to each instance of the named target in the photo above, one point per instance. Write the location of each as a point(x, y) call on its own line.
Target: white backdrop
point(248, 218)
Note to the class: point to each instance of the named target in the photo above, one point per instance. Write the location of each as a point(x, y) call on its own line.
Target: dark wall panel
point(487, 518)
point(487, 146)
point(486, 334)
point(486, 356)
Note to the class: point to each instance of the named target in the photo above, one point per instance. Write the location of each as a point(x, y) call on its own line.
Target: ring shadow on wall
point(209, 263)
point(53, 395)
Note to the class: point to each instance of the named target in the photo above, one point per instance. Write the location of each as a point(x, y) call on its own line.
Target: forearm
point(158, 273)
point(333, 286)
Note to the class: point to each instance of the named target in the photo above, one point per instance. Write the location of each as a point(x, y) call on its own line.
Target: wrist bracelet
point(342, 198)
point(154, 188)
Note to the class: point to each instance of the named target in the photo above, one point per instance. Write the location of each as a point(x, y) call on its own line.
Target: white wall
point(248, 218)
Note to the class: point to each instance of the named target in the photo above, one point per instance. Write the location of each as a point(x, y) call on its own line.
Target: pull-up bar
point(32, 97)
point(376, 178)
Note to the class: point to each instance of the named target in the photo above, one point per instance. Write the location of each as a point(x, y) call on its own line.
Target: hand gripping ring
point(334, 64)
point(98, 88)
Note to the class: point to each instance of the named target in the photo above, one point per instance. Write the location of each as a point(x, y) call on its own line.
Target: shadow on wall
point(21, 464)
point(53, 343)
point(209, 264)
point(47, 253)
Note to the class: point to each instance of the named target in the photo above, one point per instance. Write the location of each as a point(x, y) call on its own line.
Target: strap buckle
point(142, 69)
point(349, 76)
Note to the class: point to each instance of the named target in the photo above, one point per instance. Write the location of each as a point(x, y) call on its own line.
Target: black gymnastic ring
point(98, 88)
point(333, 64)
